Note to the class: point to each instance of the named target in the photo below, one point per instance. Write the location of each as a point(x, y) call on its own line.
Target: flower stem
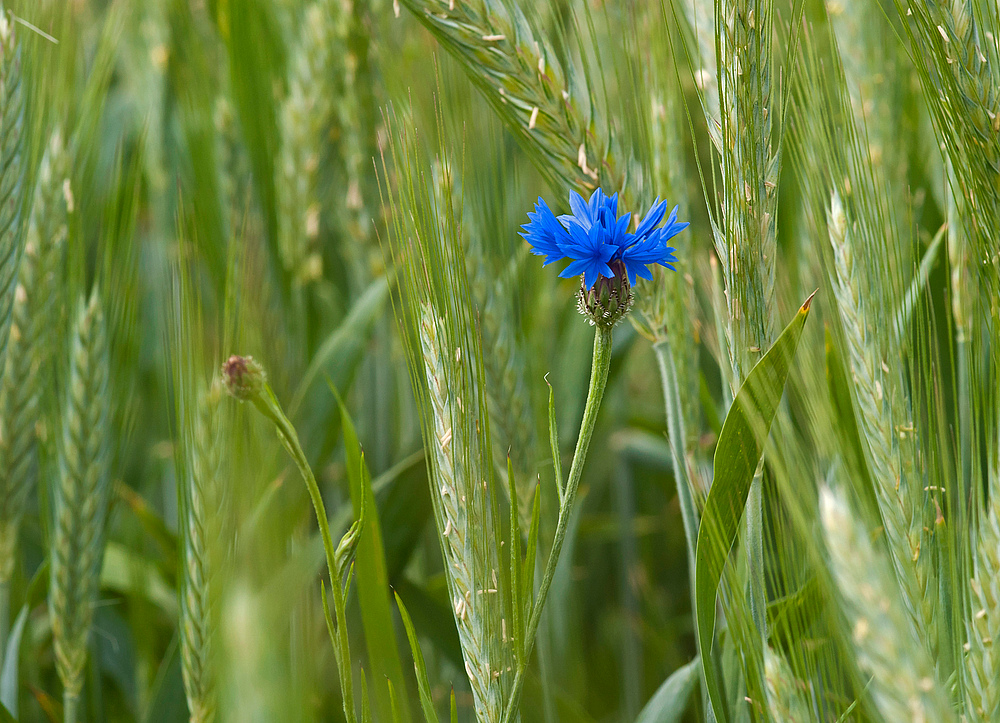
point(598, 381)
point(677, 438)
point(268, 405)
point(4, 618)
point(70, 702)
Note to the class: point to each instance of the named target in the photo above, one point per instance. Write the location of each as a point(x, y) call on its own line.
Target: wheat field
point(496, 361)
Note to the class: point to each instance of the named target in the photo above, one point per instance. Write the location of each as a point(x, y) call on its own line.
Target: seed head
point(243, 377)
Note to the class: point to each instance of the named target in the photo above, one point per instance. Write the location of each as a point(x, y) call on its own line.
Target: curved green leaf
point(736, 458)
point(423, 685)
point(373, 578)
point(671, 699)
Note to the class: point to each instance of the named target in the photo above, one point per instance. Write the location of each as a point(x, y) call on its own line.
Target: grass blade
point(736, 460)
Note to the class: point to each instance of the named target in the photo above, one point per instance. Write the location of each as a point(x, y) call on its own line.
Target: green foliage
point(288, 197)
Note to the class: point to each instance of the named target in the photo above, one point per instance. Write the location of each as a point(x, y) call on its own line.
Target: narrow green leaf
point(11, 656)
point(129, 573)
point(518, 604)
point(846, 424)
point(671, 699)
point(373, 578)
point(554, 441)
point(919, 282)
point(331, 627)
point(433, 616)
point(454, 707)
point(423, 685)
point(736, 458)
point(343, 347)
point(366, 708)
point(393, 702)
point(529, 559)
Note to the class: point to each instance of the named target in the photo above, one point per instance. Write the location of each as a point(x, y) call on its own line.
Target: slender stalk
point(70, 702)
point(4, 617)
point(268, 405)
point(676, 435)
point(598, 381)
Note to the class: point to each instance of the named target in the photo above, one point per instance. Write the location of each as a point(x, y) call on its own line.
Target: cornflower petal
point(653, 218)
point(544, 233)
point(596, 240)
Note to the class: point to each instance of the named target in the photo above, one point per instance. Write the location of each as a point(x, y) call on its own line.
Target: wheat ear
point(896, 501)
point(11, 170)
point(983, 649)
point(305, 115)
point(80, 499)
point(30, 345)
point(199, 501)
point(903, 685)
point(457, 536)
point(786, 702)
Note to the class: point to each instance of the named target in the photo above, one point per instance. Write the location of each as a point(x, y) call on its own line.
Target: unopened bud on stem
point(608, 300)
point(243, 377)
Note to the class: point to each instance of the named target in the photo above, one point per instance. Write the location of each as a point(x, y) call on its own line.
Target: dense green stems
point(598, 381)
point(268, 405)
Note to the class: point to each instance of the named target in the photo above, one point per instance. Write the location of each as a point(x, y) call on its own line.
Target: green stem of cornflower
point(268, 405)
point(598, 381)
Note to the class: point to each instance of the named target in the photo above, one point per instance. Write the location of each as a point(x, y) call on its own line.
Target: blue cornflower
point(596, 240)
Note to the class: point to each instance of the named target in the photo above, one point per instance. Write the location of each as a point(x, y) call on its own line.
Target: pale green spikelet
point(903, 683)
point(509, 401)
point(11, 170)
point(701, 19)
point(740, 111)
point(80, 498)
point(467, 590)
point(786, 701)
point(954, 59)
point(982, 661)
point(750, 164)
point(200, 498)
point(359, 118)
point(304, 116)
point(898, 502)
point(26, 372)
point(523, 81)
point(870, 59)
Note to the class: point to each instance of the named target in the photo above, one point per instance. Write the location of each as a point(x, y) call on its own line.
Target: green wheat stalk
point(306, 113)
point(903, 684)
point(956, 68)
point(786, 701)
point(458, 536)
point(876, 415)
point(12, 169)
point(521, 78)
point(982, 662)
point(81, 499)
point(200, 497)
point(29, 350)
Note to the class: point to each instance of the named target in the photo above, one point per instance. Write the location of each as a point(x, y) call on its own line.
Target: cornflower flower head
point(601, 249)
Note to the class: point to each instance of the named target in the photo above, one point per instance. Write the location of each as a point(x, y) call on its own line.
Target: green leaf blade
point(737, 455)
